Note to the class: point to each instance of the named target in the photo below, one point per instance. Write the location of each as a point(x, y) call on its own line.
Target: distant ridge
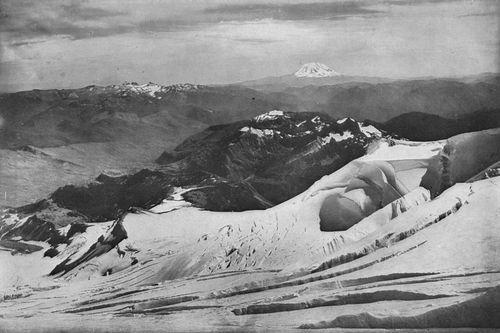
point(310, 74)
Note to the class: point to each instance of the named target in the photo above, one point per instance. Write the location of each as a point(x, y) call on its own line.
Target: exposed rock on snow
point(104, 244)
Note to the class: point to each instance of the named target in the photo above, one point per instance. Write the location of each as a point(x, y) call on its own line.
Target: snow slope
point(406, 265)
point(208, 242)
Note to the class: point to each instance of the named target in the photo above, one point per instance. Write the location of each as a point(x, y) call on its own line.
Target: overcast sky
point(67, 44)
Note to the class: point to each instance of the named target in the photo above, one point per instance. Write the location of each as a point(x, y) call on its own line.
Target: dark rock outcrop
point(105, 200)
point(103, 245)
point(31, 208)
point(36, 229)
point(270, 158)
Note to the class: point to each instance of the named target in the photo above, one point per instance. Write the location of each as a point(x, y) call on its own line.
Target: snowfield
point(399, 256)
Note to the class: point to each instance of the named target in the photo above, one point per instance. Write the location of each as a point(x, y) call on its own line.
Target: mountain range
point(72, 136)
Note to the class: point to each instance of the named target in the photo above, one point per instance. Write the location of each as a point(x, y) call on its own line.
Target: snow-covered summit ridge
point(154, 89)
point(315, 69)
point(266, 125)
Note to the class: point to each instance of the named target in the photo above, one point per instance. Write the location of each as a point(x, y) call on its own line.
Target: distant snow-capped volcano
point(315, 69)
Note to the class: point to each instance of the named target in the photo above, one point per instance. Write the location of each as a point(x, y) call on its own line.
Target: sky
point(69, 44)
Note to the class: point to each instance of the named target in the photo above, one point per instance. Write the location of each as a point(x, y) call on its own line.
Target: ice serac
point(315, 69)
point(374, 186)
point(462, 157)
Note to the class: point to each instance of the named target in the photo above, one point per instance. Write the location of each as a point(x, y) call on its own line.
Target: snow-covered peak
point(370, 131)
point(343, 120)
point(148, 88)
point(271, 115)
point(315, 69)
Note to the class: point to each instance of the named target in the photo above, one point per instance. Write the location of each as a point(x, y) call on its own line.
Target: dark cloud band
point(291, 11)
point(77, 20)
